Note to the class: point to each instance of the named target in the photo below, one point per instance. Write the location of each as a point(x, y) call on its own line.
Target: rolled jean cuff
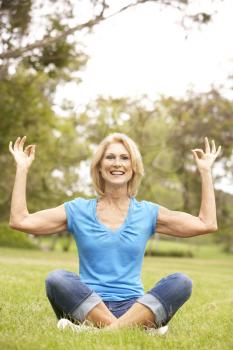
point(156, 307)
point(86, 306)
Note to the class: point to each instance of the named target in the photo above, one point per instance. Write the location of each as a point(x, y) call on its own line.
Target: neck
point(116, 194)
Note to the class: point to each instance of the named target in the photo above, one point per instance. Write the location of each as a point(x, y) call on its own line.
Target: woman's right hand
point(23, 157)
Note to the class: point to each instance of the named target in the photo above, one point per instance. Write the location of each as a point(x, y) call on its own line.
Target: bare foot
point(113, 326)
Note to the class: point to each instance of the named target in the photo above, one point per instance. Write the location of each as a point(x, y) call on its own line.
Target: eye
point(109, 156)
point(125, 157)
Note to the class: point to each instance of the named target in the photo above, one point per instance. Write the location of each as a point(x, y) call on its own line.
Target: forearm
point(18, 202)
point(207, 212)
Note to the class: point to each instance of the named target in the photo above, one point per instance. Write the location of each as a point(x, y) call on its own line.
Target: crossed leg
point(63, 287)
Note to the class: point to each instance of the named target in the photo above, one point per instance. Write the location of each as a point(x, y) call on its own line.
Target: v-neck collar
point(108, 229)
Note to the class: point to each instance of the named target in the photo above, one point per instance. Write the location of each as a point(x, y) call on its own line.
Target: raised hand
point(23, 157)
point(205, 160)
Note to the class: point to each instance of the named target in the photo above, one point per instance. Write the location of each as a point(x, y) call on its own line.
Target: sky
point(145, 50)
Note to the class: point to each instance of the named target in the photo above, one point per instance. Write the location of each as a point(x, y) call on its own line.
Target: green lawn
point(27, 321)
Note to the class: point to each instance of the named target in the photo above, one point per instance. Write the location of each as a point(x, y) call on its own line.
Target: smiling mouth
point(117, 173)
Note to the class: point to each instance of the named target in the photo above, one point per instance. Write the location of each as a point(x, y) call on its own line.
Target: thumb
point(32, 151)
point(28, 150)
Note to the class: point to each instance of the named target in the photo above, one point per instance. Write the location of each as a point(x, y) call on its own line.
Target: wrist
point(21, 169)
point(205, 171)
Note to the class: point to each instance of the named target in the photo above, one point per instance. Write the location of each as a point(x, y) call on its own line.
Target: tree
point(19, 27)
point(17, 17)
point(26, 110)
point(193, 118)
point(225, 214)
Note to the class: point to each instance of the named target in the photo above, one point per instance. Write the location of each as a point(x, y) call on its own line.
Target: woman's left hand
point(205, 160)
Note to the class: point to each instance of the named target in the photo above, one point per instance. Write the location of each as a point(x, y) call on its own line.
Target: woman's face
point(116, 166)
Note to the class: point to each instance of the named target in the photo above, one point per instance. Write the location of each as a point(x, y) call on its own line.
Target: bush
point(169, 248)
point(15, 239)
point(171, 253)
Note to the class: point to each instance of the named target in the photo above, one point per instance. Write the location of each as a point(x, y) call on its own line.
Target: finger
point(16, 144)
point(199, 152)
point(10, 148)
point(21, 143)
point(34, 151)
point(213, 147)
point(207, 145)
point(218, 151)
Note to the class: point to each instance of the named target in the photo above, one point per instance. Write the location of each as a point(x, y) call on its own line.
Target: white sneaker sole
point(64, 323)
point(157, 331)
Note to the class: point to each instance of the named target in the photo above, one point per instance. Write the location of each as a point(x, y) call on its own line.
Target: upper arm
point(176, 223)
point(44, 222)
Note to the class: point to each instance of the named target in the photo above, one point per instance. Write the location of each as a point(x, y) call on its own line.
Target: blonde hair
point(136, 160)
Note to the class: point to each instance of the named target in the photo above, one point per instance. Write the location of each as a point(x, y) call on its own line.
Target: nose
point(117, 162)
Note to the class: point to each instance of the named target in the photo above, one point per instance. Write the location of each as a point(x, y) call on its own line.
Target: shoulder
point(79, 203)
point(144, 204)
point(147, 211)
point(146, 208)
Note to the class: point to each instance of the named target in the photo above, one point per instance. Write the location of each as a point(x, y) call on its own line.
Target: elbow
point(207, 226)
point(17, 224)
point(14, 225)
point(214, 228)
point(211, 228)
point(11, 223)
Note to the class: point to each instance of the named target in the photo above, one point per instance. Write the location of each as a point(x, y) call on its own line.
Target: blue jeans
point(71, 298)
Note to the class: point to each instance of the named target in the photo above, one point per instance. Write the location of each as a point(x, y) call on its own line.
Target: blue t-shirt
point(110, 261)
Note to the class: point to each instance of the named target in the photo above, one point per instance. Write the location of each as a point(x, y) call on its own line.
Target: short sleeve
point(153, 210)
point(71, 209)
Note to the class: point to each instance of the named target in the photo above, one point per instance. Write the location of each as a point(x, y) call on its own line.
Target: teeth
point(117, 173)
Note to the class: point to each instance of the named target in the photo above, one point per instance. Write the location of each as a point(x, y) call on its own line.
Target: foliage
point(14, 239)
point(225, 213)
point(20, 23)
point(26, 110)
point(170, 253)
point(193, 118)
point(63, 20)
point(164, 247)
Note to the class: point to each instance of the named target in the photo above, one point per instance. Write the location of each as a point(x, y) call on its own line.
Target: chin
point(118, 183)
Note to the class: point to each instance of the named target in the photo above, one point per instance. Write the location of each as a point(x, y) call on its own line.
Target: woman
point(111, 232)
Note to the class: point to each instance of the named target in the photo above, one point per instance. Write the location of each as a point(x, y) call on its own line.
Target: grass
point(27, 320)
point(185, 248)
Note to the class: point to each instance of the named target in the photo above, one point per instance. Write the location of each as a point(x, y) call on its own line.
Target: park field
point(27, 320)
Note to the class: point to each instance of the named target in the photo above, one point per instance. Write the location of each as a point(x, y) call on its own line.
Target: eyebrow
point(122, 154)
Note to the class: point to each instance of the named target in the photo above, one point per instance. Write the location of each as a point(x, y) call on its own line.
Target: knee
point(54, 279)
point(184, 284)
